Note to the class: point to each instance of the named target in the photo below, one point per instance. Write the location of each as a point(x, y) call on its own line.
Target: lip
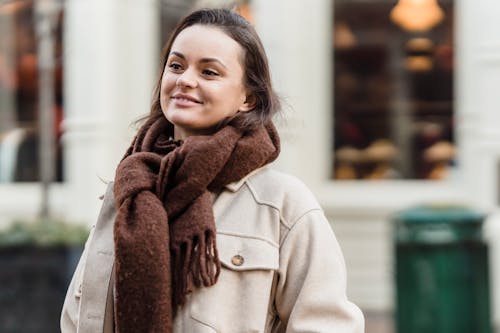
point(185, 98)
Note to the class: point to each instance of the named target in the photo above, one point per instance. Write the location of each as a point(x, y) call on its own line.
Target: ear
point(248, 104)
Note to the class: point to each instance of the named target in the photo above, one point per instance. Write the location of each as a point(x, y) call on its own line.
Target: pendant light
point(417, 15)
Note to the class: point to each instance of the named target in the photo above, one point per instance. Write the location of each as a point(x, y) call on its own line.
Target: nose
point(187, 79)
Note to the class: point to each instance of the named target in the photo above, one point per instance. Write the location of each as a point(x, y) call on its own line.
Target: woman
point(196, 233)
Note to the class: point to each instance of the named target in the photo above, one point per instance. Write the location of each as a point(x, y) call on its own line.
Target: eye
point(209, 72)
point(174, 66)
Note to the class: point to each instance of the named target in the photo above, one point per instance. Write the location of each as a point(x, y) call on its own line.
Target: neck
point(182, 133)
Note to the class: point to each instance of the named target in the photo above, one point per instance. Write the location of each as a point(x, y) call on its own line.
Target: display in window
point(19, 94)
point(393, 90)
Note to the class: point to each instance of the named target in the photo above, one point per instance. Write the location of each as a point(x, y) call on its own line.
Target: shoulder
point(284, 192)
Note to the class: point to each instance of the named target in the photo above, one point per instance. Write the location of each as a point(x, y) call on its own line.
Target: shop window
point(393, 90)
point(174, 10)
point(19, 93)
point(171, 12)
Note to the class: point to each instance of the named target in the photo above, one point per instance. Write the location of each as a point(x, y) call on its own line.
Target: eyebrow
point(203, 60)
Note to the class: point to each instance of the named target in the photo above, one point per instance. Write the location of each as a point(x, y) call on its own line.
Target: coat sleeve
point(71, 306)
point(311, 288)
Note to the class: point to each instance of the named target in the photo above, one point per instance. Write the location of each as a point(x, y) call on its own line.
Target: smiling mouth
point(186, 99)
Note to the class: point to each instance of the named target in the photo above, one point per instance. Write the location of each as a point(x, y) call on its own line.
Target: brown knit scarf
point(164, 230)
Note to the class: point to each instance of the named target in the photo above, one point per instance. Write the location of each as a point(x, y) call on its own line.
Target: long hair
point(257, 78)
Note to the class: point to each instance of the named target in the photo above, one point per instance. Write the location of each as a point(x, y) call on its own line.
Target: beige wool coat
point(282, 268)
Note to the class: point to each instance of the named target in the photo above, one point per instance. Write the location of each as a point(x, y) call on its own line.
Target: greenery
point(44, 233)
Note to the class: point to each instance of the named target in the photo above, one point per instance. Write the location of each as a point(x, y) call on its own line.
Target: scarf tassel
point(196, 263)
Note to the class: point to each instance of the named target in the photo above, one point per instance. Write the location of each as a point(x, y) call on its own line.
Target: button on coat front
point(237, 260)
point(282, 268)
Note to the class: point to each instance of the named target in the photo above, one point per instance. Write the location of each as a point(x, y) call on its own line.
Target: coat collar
point(235, 186)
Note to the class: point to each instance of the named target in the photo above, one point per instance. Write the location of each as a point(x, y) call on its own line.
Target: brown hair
point(257, 78)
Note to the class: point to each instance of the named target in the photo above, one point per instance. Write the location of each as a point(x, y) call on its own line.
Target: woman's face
point(202, 81)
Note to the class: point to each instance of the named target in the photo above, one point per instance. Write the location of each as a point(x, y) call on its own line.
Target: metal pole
point(45, 19)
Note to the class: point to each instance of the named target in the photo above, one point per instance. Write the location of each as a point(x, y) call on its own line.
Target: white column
point(298, 41)
point(477, 97)
point(111, 51)
point(478, 118)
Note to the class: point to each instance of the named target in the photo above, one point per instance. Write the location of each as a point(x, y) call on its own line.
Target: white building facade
point(111, 55)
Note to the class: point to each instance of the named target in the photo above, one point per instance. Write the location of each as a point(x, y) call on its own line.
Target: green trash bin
point(442, 283)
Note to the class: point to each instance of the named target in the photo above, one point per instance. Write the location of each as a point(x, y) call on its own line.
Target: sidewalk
point(383, 322)
point(379, 322)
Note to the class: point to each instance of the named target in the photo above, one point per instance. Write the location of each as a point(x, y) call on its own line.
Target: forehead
point(207, 41)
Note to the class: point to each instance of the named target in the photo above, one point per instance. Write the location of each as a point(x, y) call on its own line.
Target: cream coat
point(282, 268)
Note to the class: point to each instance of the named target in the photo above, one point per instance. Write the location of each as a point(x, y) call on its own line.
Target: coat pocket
point(239, 301)
point(243, 253)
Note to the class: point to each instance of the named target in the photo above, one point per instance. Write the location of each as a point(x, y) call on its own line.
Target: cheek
point(239, 94)
point(168, 78)
point(166, 85)
point(164, 94)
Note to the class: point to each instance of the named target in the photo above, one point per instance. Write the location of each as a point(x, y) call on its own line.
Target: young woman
point(197, 233)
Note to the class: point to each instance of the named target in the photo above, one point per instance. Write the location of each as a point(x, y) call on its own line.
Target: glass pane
point(172, 11)
point(19, 93)
point(393, 89)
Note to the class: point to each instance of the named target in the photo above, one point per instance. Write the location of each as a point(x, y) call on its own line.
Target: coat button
point(237, 260)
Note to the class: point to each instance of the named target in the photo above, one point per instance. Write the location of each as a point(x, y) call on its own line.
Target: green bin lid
point(438, 224)
point(434, 214)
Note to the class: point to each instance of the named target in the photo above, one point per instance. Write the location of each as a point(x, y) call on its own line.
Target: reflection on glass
point(19, 129)
point(393, 92)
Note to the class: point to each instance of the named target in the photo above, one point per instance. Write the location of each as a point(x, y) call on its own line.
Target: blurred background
point(389, 105)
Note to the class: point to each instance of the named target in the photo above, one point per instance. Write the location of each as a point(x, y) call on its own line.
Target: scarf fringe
point(170, 237)
point(196, 264)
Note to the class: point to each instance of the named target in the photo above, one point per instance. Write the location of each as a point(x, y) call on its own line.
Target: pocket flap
point(242, 252)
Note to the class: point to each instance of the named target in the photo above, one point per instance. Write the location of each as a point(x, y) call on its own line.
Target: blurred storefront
point(385, 115)
point(386, 106)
